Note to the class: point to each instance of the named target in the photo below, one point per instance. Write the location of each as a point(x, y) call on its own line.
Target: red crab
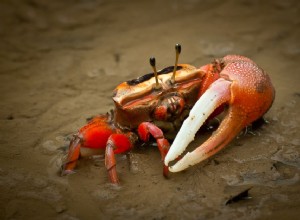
point(157, 103)
point(152, 105)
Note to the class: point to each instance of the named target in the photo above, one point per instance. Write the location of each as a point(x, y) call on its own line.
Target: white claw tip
point(166, 161)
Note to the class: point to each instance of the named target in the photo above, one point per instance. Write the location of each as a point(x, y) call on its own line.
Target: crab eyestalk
point(178, 51)
point(152, 63)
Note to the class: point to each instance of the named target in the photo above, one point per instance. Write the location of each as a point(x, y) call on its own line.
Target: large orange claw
point(241, 85)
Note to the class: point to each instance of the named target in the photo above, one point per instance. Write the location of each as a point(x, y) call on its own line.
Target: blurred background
point(61, 60)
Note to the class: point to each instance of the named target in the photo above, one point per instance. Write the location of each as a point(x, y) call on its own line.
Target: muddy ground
point(60, 61)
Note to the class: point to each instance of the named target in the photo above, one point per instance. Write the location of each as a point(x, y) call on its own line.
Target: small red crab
point(157, 103)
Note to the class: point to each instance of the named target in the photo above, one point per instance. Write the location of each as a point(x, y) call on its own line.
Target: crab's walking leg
point(73, 155)
point(116, 144)
point(110, 163)
point(144, 131)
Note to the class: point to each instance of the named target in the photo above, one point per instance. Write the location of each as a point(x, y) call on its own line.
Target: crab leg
point(110, 163)
point(116, 144)
point(73, 155)
point(218, 93)
point(144, 131)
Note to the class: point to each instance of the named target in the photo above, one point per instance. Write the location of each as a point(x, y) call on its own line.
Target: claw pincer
point(235, 82)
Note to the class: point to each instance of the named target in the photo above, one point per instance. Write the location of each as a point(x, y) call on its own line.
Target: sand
point(61, 60)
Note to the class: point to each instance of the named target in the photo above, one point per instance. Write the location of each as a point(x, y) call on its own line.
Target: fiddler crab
point(180, 97)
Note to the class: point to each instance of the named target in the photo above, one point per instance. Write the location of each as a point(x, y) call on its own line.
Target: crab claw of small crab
point(247, 91)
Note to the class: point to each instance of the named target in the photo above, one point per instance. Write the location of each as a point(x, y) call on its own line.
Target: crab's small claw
point(248, 92)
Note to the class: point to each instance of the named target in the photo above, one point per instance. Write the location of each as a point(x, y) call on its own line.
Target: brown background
point(60, 61)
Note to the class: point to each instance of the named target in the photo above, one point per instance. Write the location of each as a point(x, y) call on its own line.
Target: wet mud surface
point(60, 61)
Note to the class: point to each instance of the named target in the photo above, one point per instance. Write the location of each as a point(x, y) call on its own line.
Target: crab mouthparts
point(215, 96)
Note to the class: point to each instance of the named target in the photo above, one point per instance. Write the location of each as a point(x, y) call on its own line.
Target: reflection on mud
point(288, 155)
point(274, 179)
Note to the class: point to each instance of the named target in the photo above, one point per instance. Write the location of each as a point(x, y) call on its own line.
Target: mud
point(60, 61)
